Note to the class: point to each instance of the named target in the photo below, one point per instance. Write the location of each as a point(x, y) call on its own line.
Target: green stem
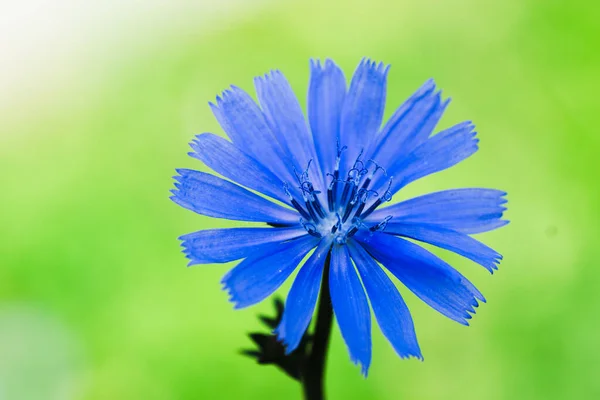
point(313, 374)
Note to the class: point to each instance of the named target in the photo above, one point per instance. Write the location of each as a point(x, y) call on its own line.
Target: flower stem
point(313, 374)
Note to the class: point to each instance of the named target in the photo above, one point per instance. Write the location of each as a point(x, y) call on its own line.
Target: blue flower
point(321, 187)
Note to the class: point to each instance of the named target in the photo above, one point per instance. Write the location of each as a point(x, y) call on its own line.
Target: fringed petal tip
point(492, 264)
point(364, 370)
point(314, 63)
point(186, 250)
point(224, 97)
point(191, 263)
point(196, 143)
point(188, 254)
point(495, 264)
point(317, 65)
point(370, 64)
point(231, 295)
point(364, 365)
point(227, 93)
point(366, 64)
point(281, 335)
point(407, 356)
point(175, 198)
point(470, 311)
point(272, 75)
point(427, 86)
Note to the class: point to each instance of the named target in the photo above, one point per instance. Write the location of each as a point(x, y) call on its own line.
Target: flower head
point(323, 188)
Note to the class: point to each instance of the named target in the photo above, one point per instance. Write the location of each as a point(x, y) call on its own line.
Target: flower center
point(347, 201)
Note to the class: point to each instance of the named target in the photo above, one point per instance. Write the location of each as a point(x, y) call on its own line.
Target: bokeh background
point(98, 101)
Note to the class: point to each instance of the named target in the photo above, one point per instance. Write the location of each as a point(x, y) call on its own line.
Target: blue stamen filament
point(318, 207)
point(363, 201)
point(310, 228)
point(381, 226)
point(387, 196)
point(295, 203)
point(311, 211)
point(344, 215)
point(347, 187)
point(330, 202)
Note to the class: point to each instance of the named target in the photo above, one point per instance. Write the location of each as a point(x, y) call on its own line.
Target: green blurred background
point(98, 103)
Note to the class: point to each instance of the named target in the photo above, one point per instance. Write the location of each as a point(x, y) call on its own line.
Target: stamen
point(308, 166)
point(352, 231)
point(303, 177)
point(367, 181)
point(358, 164)
point(316, 203)
point(354, 177)
point(387, 196)
point(381, 226)
point(338, 225)
point(352, 174)
point(359, 196)
point(338, 148)
point(336, 173)
point(310, 228)
point(347, 186)
point(356, 224)
point(298, 176)
point(309, 195)
point(377, 167)
point(306, 187)
point(295, 203)
point(372, 208)
point(363, 200)
point(330, 195)
point(350, 206)
point(311, 211)
point(345, 204)
point(365, 185)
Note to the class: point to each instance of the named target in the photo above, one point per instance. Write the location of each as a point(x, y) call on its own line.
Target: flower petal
point(431, 279)
point(224, 245)
point(363, 108)
point(437, 153)
point(302, 298)
point(456, 242)
point(284, 116)
point(409, 126)
point(390, 310)
point(326, 93)
point(243, 121)
point(226, 159)
point(350, 307)
point(463, 210)
point(260, 275)
point(208, 195)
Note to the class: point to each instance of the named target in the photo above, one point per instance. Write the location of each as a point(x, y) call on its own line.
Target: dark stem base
point(313, 373)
